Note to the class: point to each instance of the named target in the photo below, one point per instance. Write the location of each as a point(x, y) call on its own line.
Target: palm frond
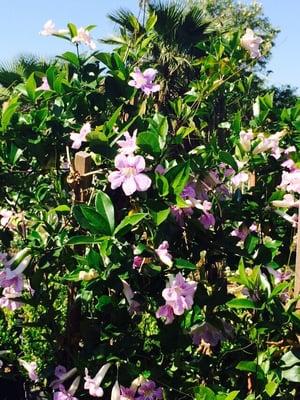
point(125, 19)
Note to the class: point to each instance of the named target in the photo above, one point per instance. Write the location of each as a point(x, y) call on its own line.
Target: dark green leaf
point(128, 222)
point(105, 208)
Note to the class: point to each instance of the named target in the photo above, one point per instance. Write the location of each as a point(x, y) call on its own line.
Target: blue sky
point(22, 20)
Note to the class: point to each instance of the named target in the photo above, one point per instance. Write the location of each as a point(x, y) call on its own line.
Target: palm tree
point(179, 28)
point(18, 70)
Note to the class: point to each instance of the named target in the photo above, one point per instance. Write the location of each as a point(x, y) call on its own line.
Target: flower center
point(129, 171)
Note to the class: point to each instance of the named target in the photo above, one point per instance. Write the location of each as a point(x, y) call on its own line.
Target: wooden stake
point(251, 180)
point(82, 166)
point(297, 265)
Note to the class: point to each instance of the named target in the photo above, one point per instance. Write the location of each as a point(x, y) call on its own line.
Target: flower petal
point(129, 186)
point(143, 182)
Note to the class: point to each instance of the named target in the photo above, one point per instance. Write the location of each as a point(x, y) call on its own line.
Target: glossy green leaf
point(128, 222)
point(241, 303)
point(105, 208)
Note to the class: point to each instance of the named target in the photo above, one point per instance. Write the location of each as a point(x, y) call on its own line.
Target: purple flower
point(188, 191)
point(144, 80)
point(93, 384)
point(165, 312)
point(251, 43)
point(30, 368)
point(62, 375)
point(45, 85)
point(9, 279)
point(60, 370)
point(138, 261)
point(3, 258)
point(208, 333)
point(163, 253)
point(179, 213)
point(289, 164)
point(149, 391)
point(6, 216)
point(127, 393)
point(130, 175)
point(63, 394)
point(9, 299)
point(241, 232)
point(239, 178)
point(80, 137)
point(279, 276)
point(207, 220)
point(134, 306)
point(128, 146)
point(290, 181)
point(179, 294)
point(160, 169)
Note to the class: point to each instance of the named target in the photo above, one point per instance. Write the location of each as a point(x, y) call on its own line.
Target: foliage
point(175, 264)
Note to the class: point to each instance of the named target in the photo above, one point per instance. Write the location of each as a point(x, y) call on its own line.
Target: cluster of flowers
point(129, 167)
point(262, 143)
point(83, 35)
point(206, 333)
point(196, 198)
point(178, 295)
point(162, 253)
point(140, 389)
point(12, 280)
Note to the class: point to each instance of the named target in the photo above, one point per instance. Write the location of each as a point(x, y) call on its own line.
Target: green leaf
point(251, 366)
point(71, 57)
point(151, 21)
point(291, 358)
point(62, 208)
point(103, 302)
point(204, 393)
point(292, 374)
point(30, 87)
point(178, 177)
point(72, 29)
point(232, 395)
point(89, 219)
point(149, 143)
point(281, 287)
point(112, 121)
point(271, 388)
point(105, 208)
point(8, 111)
point(159, 211)
point(76, 240)
point(227, 158)
point(241, 303)
point(14, 153)
point(184, 264)
point(251, 243)
point(160, 124)
point(128, 222)
point(162, 185)
point(90, 27)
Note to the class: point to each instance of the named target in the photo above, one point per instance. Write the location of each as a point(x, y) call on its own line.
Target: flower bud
point(115, 393)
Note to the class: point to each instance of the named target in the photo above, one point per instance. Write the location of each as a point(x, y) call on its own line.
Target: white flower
point(48, 28)
point(93, 384)
point(83, 36)
point(251, 43)
point(115, 393)
point(245, 139)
